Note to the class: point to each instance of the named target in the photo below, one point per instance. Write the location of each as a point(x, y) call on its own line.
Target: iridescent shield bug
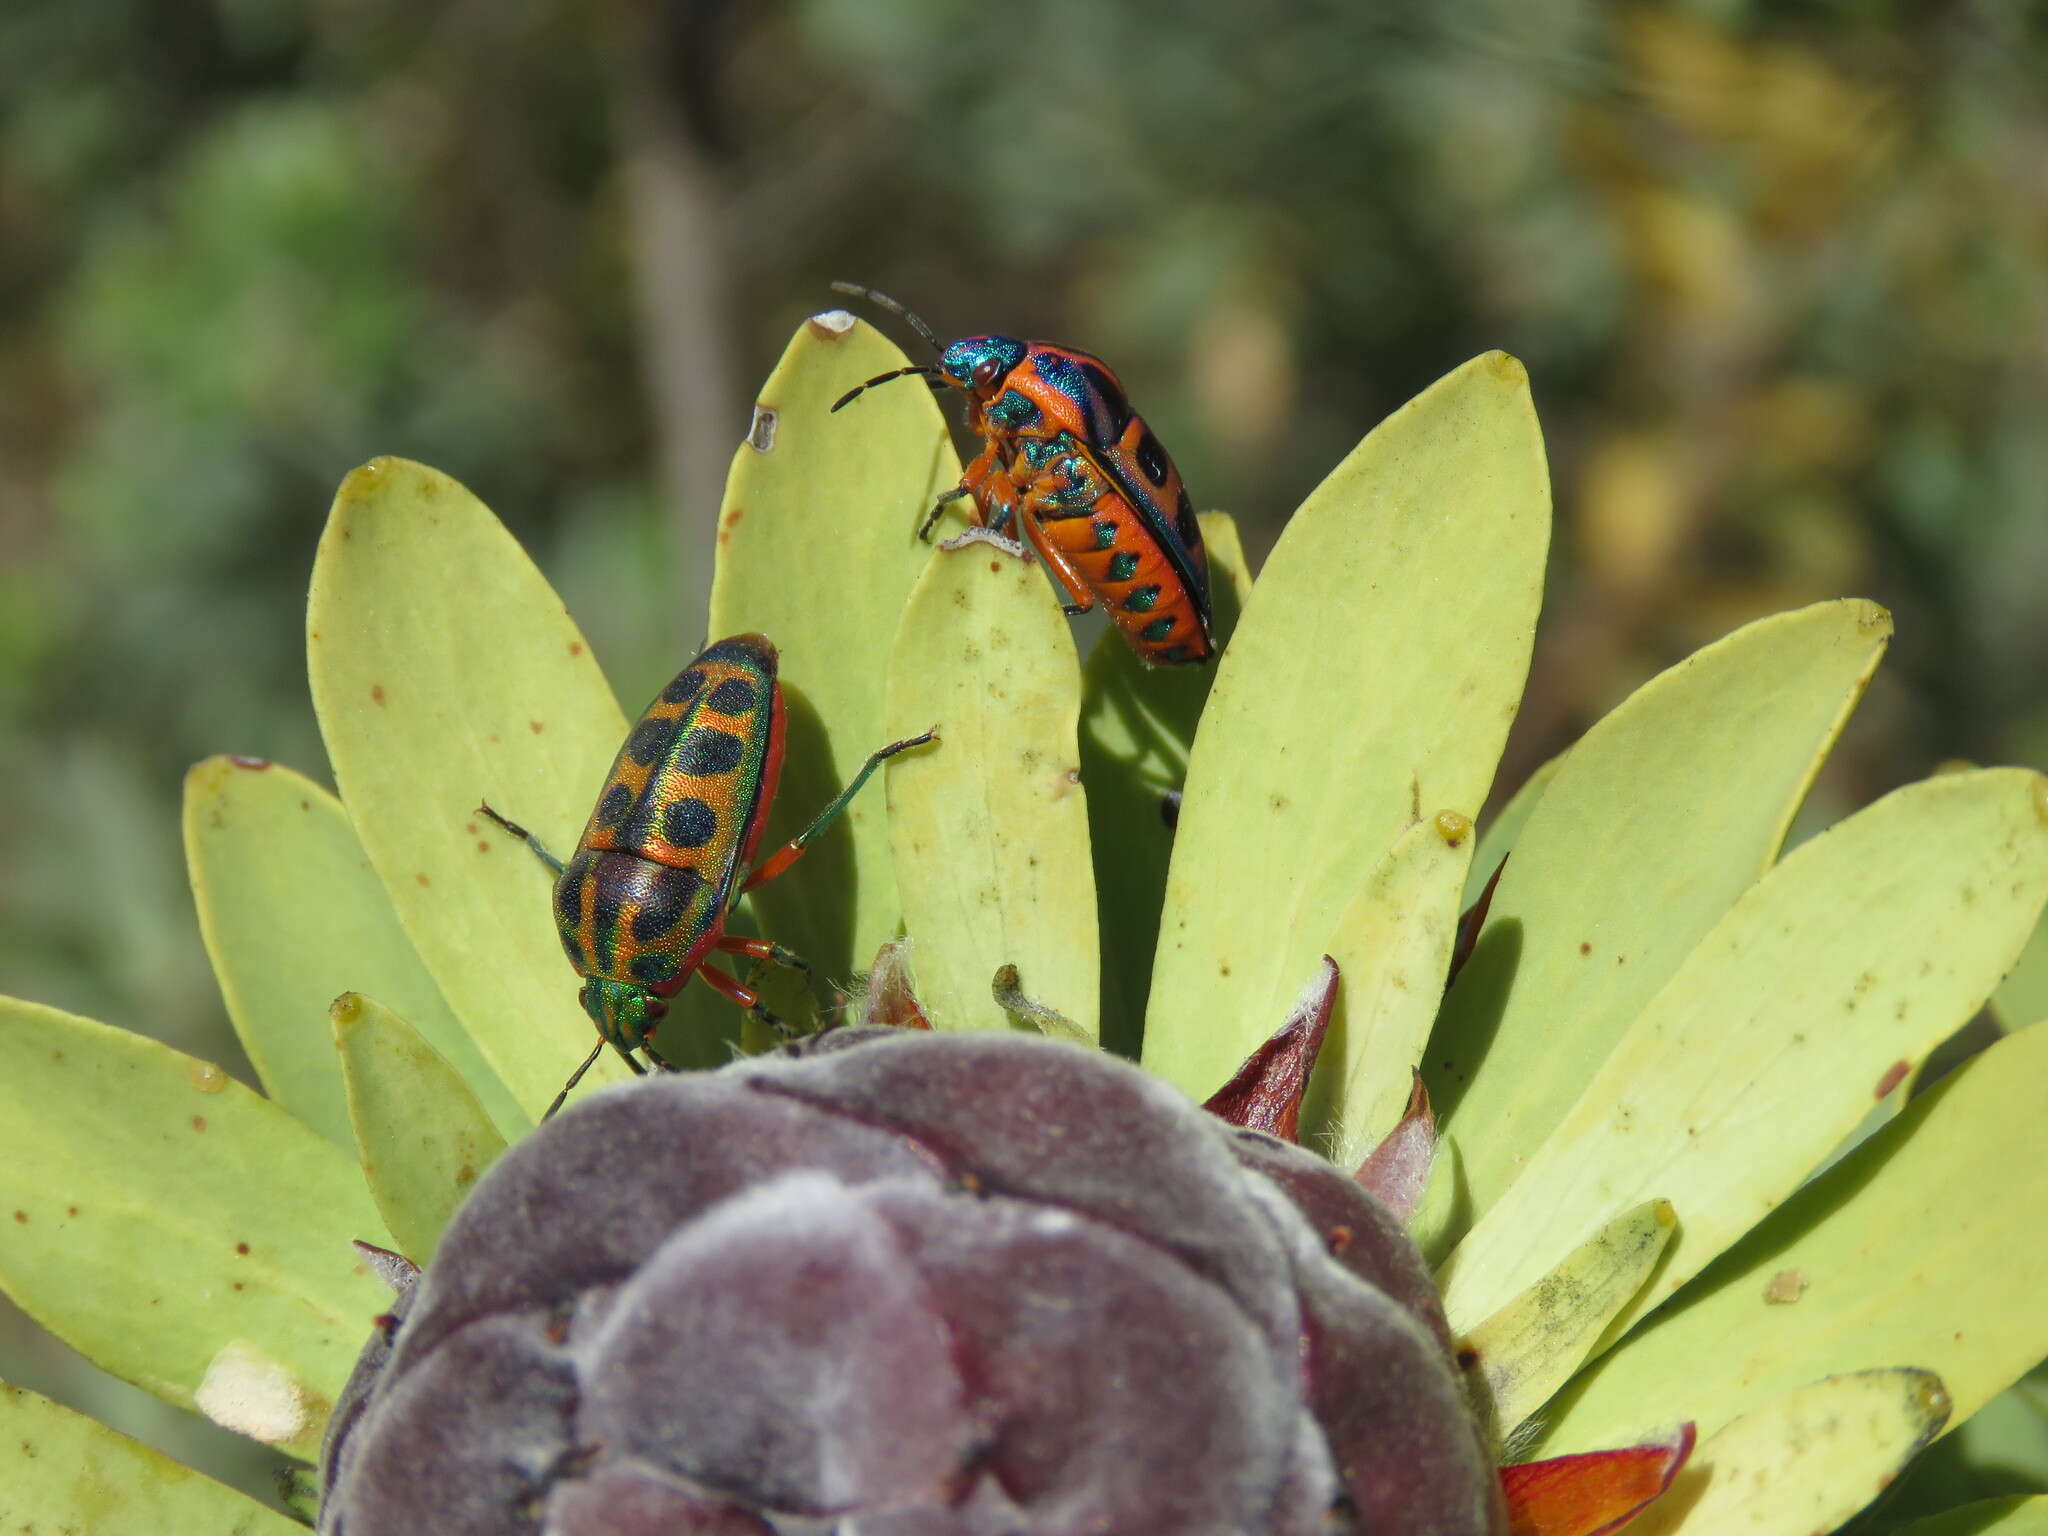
point(669, 850)
point(1065, 457)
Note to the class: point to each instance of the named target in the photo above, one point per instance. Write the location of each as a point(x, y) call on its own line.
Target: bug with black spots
point(642, 903)
point(1066, 458)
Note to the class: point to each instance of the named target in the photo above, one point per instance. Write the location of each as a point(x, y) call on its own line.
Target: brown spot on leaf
point(199, 1124)
point(536, 726)
point(242, 1248)
point(1785, 1287)
point(253, 764)
point(377, 694)
point(1585, 948)
point(575, 647)
point(1894, 1075)
point(423, 880)
point(22, 1217)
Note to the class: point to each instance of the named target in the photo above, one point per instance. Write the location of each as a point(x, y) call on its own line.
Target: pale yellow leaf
point(1917, 1246)
point(1863, 949)
point(990, 825)
point(1654, 823)
point(818, 550)
point(1371, 681)
point(424, 1139)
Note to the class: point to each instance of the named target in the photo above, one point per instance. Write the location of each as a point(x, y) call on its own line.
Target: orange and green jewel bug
point(668, 852)
point(1086, 480)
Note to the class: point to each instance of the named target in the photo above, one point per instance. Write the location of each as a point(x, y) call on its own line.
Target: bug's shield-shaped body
point(1092, 488)
point(647, 891)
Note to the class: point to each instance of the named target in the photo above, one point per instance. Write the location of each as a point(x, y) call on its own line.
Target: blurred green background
point(1780, 274)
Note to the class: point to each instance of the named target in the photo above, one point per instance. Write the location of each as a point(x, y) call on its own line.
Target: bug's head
point(624, 1013)
point(979, 364)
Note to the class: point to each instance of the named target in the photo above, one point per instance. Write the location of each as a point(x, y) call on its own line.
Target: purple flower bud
point(908, 1284)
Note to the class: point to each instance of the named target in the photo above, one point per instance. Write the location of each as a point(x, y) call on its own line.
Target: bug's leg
point(946, 498)
point(539, 852)
point(657, 1058)
point(1082, 600)
point(974, 482)
point(577, 1077)
point(793, 850)
point(726, 986)
point(763, 949)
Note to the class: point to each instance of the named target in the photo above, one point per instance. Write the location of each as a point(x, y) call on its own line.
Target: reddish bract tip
point(1469, 924)
point(394, 1269)
point(1266, 1093)
point(1593, 1493)
point(1396, 1172)
point(891, 998)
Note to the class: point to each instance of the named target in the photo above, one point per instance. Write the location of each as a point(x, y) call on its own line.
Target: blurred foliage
point(1780, 274)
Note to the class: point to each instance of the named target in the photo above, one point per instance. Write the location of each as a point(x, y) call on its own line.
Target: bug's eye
point(656, 1008)
point(987, 371)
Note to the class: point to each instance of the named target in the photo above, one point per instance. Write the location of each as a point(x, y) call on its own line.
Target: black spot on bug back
point(734, 696)
point(1185, 522)
point(688, 684)
point(611, 810)
point(1152, 458)
point(569, 889)
point(650, 740)
point(708, 750)
point(689, 823)
point(1141, 599)
point(1123, 565)
point(1105, 532)
point(1108, 411)
point(1157, 630)
point(663, 896)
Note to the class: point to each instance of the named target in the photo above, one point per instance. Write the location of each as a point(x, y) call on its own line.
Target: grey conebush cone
point(905, 1284)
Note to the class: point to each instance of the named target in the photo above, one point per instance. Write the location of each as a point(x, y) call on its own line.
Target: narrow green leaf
point(1861, 951)
point(1531, 1346)
point(1920, 1245)
point(424, 1138)
point(1137, 723)
point(1443, 1210)
point(1498, 834)
point(446, 672)
point(1372, 678)
point(2022, 998)
point(172, 1225)
point(820, 503)
point(1392, 947)
point(2017, 1515)
point(1666, 812)
point(990, 825)
point(1802, 1462)
point(293, 915)
point(61, 1472)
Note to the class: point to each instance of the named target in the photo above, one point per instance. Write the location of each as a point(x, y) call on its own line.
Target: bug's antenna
point(931, 376)
point(916, 324)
